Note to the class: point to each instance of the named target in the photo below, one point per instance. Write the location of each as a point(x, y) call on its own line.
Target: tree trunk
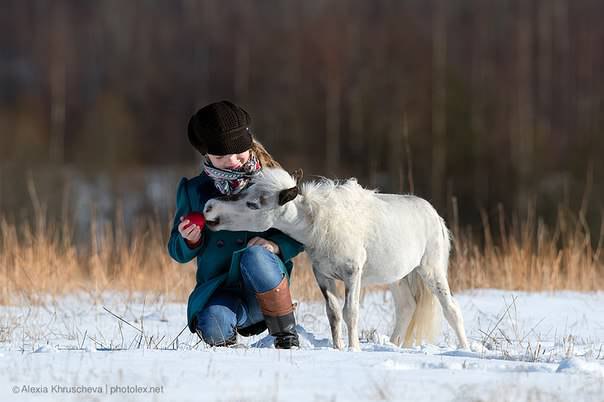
point(522, 130)
point(439, 99)
point(58, 80)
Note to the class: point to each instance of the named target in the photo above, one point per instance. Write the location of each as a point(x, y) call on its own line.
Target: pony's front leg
point(332, 307)
point(352, 284)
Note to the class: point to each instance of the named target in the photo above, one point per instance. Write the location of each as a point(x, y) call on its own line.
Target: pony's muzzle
point(212, 220)
point(212, 224)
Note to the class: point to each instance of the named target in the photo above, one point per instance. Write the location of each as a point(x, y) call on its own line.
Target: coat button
point(220, 243)
point(240, 242)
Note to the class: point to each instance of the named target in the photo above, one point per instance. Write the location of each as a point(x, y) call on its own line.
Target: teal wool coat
point(218, 253)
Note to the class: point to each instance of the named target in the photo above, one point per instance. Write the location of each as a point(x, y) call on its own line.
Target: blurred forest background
point(488, 101)
point(486, 108)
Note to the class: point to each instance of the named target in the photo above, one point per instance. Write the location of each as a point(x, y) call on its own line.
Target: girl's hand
point(267, 244)
point(192, 233)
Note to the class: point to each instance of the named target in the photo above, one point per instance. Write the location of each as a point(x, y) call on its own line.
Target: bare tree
point(57, 71)
point(439, 99)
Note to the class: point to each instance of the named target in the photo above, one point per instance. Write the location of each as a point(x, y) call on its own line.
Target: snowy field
point(525, 346)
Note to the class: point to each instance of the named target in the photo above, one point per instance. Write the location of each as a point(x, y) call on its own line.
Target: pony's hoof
point(464, 346)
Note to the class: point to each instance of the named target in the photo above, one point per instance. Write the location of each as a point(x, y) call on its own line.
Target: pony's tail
point(425, 324)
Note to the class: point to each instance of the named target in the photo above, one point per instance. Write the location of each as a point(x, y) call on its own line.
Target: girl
point(242, 277)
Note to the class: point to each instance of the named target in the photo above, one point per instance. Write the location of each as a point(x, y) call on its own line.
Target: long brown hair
point(266, 160)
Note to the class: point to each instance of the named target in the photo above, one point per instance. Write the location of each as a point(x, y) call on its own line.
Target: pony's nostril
point(208, 208)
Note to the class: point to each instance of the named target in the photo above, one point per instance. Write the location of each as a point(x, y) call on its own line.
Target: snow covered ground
point(525, 346)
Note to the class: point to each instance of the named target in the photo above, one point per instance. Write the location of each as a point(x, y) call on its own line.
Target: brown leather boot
point(278, 309)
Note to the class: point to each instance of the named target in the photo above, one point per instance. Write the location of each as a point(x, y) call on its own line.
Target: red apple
point(196, 218)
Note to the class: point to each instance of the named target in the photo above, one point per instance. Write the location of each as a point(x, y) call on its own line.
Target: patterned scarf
point(229, 181)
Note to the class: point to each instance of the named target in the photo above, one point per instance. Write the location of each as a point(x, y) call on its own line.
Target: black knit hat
point(220, 128)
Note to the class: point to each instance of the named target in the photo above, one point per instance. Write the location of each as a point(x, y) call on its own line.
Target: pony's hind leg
point(332, 307)
point(404, 306)
point(436, 280)
point(352, 284)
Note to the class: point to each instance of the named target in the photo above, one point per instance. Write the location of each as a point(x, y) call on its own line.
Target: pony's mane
point(339, 210)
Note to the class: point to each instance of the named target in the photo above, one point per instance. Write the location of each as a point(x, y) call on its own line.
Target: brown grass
point(40, 258)
point(528, 254)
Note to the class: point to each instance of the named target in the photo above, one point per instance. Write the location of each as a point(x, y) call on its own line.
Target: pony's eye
point(252, 205)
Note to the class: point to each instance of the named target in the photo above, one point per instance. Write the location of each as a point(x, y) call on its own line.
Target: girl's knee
point(261, 269)
point(255, 255)
point(216, 325)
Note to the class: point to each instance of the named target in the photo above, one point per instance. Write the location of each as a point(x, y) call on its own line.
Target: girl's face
point(230, 161)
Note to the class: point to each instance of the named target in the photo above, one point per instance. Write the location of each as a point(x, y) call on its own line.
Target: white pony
point(358, 236)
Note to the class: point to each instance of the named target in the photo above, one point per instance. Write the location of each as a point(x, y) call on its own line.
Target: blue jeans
point(228, 310)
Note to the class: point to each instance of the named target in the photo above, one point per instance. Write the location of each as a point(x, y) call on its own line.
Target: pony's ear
point(290, 193)
point(297, 175)
point(287, 195)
